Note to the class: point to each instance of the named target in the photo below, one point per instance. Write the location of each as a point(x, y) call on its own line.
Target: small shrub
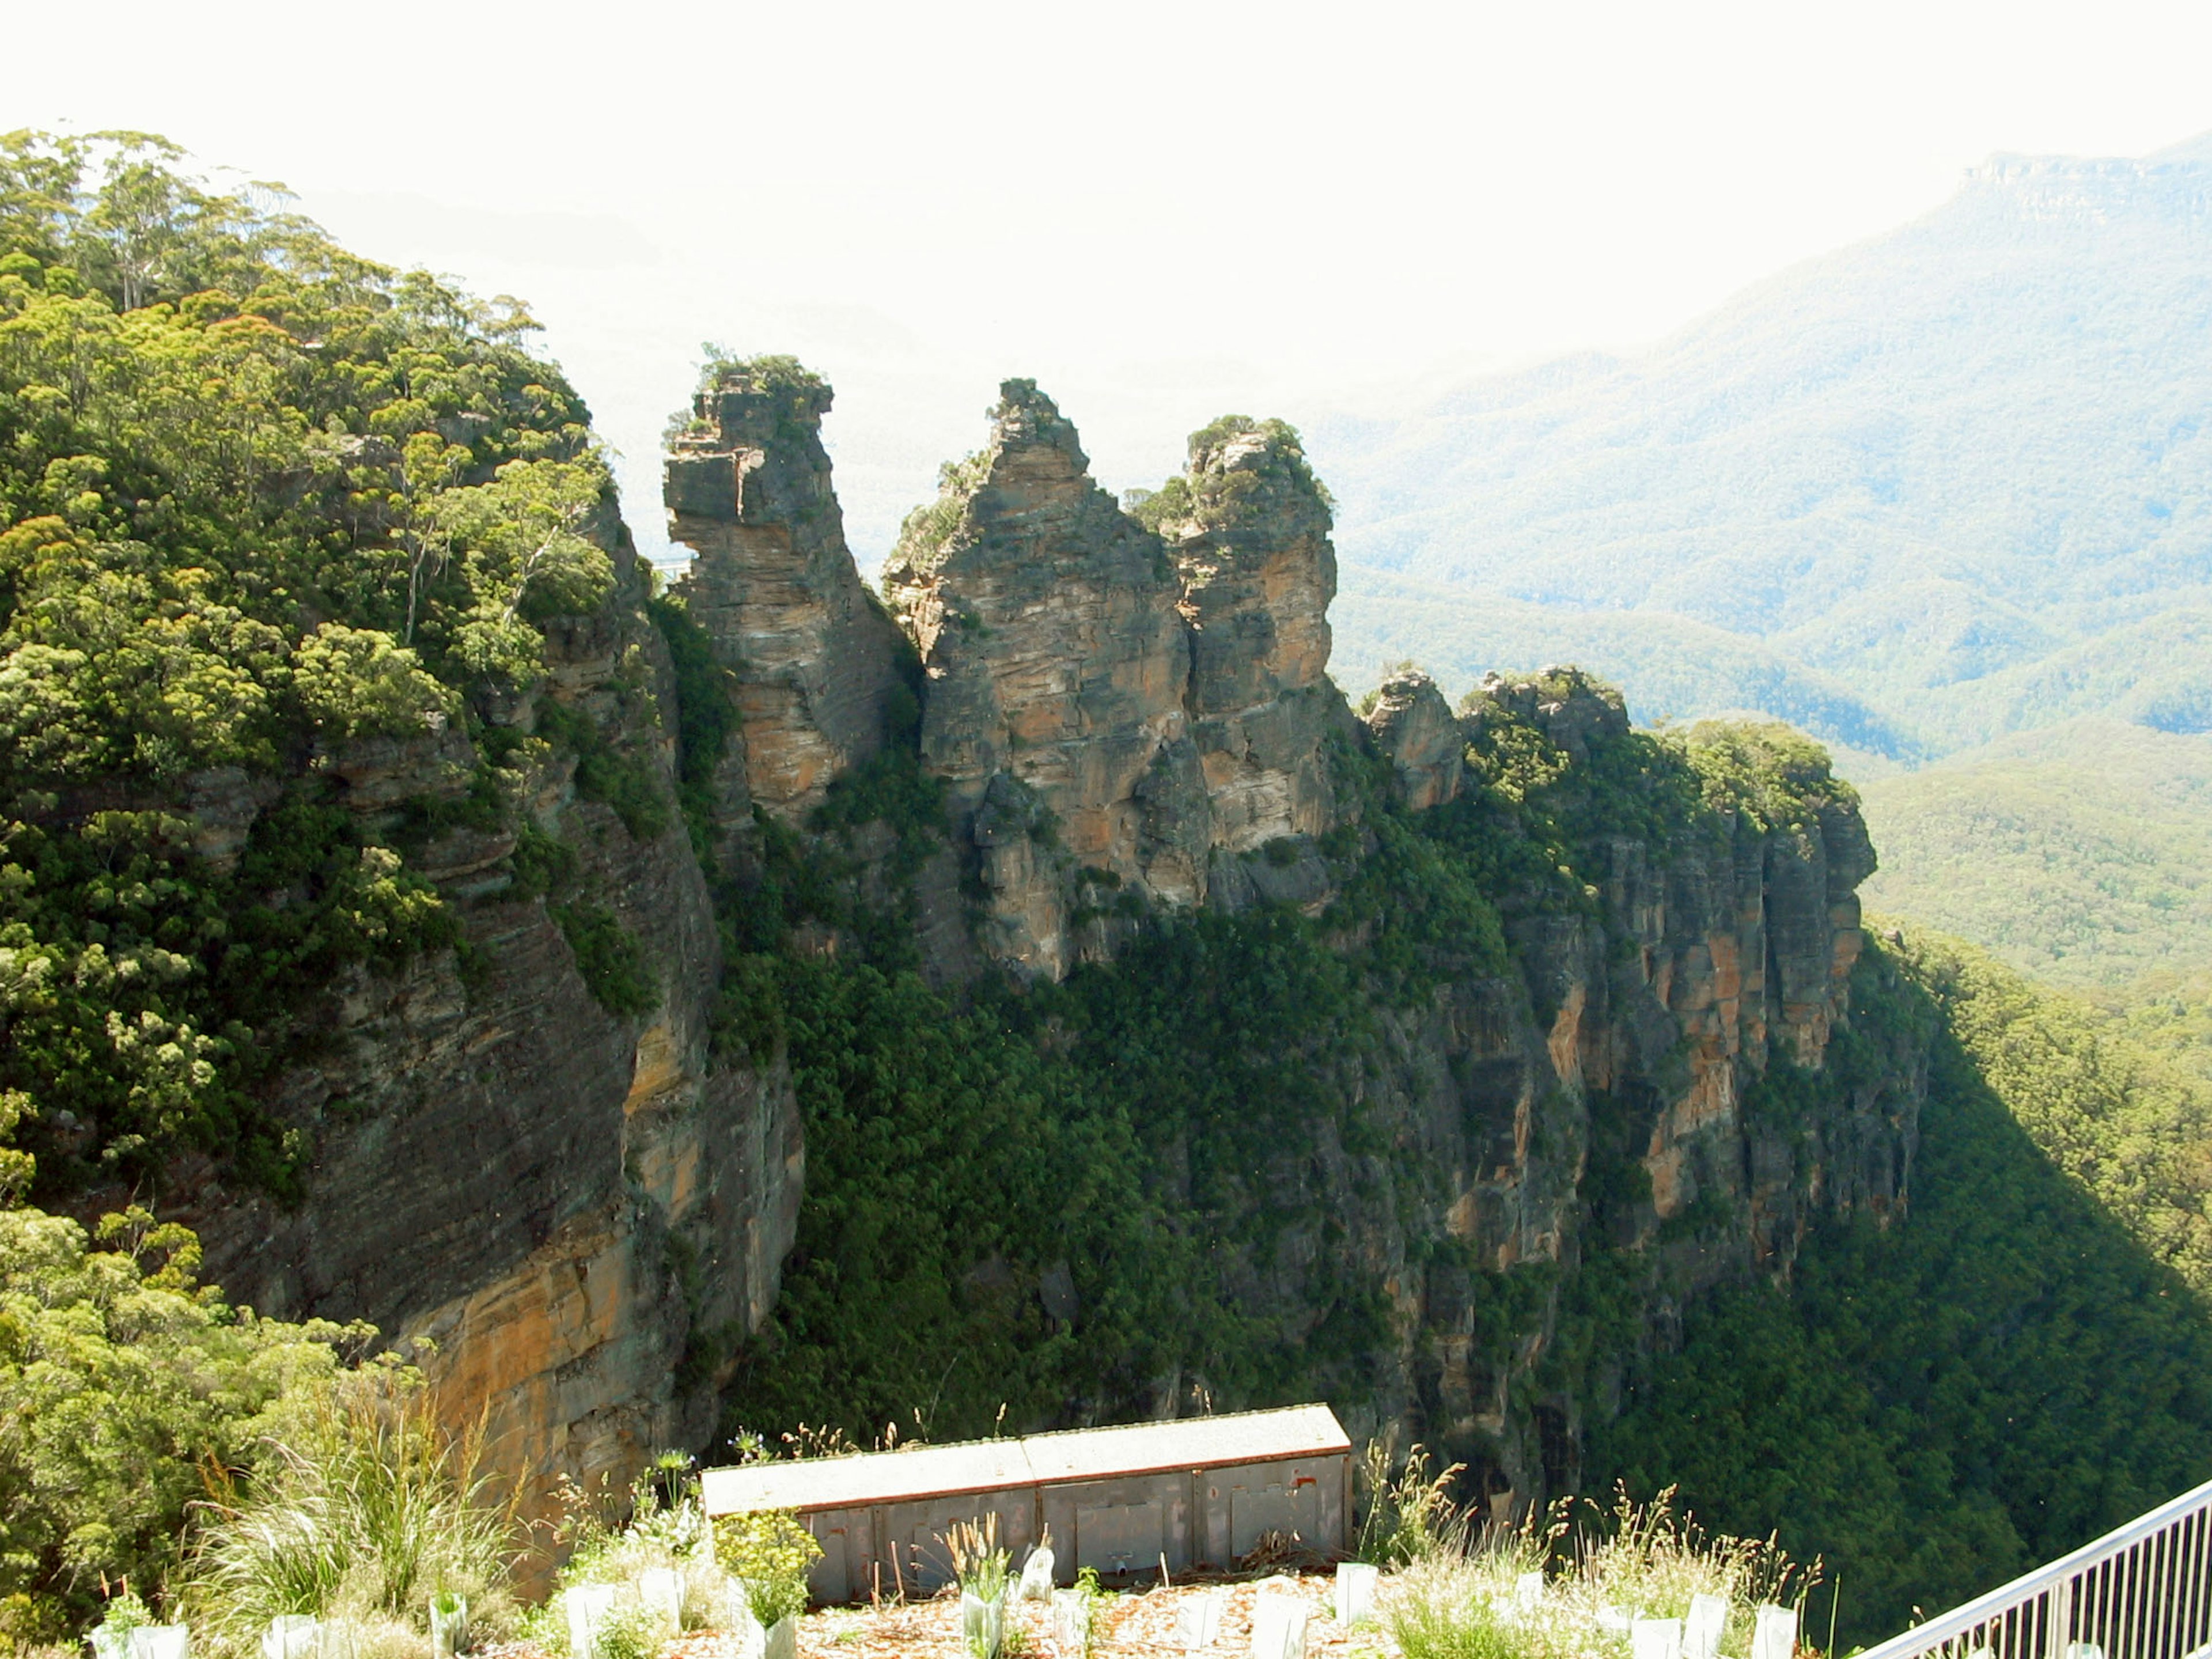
point(632, 1630)
point(1406, 1513)
point(771, 1551)
point(1441, 1608)
point(979, 1561)
point(611, 961)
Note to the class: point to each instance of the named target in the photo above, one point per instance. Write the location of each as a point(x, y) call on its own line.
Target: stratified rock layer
point(577, 1210)
point(748, 490)
point(1113, 710)
point(1258, 572)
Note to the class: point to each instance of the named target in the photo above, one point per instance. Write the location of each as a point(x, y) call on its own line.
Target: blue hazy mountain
point(1947, 485)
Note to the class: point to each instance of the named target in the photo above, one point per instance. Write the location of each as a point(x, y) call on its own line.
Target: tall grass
point(1406, 1513)
point(1459, 1597)
point(364, 1510)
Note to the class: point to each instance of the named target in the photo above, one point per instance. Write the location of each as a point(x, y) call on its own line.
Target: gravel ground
point(1131, 1626)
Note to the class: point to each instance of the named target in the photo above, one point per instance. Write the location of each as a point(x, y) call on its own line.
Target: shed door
point(1264, 1502)
point(1120, 1537)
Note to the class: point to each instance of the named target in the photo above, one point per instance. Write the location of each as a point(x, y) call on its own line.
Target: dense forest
point(261, 500)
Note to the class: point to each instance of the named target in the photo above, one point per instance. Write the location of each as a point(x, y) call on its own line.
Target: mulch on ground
point(1140, 1626)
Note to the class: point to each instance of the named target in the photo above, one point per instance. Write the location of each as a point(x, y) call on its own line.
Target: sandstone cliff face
point(1112, 709)
point(1057, 665)
point(1250, 540)
point(1608, 1095)
point(576, 1210)
point(1128, 711)
point(748, 490)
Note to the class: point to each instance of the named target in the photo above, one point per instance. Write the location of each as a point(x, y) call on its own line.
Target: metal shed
point(1199, 1491)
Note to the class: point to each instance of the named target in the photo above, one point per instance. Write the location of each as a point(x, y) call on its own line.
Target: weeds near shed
point(1406, 1514)
point(979, 1562)
point(771, 1550)
point(1647, 1560)
point(1462, 1596)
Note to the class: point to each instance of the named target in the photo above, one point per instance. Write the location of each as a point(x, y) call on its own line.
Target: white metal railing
point(2142, 1592)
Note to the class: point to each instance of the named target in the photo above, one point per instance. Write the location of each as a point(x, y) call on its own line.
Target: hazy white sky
point(1159, 211)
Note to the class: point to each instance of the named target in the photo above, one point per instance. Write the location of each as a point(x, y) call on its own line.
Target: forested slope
point(1958, 468)
point(2024, 1362)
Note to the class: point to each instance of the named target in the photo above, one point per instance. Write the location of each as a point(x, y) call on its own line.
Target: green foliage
point(141, 990)
point(925, 539)
point(1461, 1597)
point(772, 1551)
point(773, 371)
point(1207, 497)
point(2081, 855)
point(1773, 775)
point(613, 964)
point(1405, 1509)
point(118, 1375)
point(605, 773)
point(259, 500)
point(707, 718)
point(356, 683)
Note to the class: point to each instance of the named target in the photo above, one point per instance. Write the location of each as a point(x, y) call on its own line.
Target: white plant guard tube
point(289, 1636)
point(1655, 1639)
point(1775, 1634)
point(1070, 1621)
point(449, 1625)
point(588, 1607)
point(982, 1624)
point(160, 1641)
point(1198, 1621)
point(1037, 1574)
point(1528, 1591)
point(1701, 1630)
point(1278, 1627)
point(661, 1591)
point(1355, 1591)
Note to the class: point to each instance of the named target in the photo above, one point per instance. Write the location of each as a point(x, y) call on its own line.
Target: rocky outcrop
point(1057, 665)
point(1248, 526)
point(816, 662)
point(1115, 706)
point(1413, 728)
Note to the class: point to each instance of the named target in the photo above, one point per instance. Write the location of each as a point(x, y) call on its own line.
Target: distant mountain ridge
point(1943, 485)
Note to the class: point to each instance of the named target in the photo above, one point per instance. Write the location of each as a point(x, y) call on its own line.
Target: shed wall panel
point(1119, 1527)
point(917, 1533)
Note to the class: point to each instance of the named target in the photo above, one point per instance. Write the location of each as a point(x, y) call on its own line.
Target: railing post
point(2058, 1628)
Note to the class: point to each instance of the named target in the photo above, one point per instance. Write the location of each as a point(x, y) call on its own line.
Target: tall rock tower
point(817, 660)
point(1120, 711)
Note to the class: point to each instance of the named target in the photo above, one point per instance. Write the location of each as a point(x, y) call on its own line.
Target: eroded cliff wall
point(1125, 716)
point(568, 1214)
point(1119, 705)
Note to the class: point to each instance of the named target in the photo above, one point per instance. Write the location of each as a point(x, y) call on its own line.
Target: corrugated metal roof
point(1190, 1443)
point(1195, 1442)
point(838, 1483)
